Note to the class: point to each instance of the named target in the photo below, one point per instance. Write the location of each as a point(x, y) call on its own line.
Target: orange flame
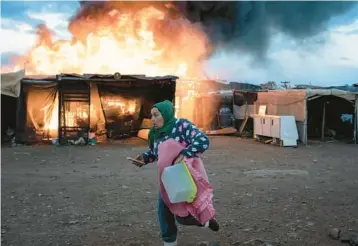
point(141, 41)
point(127, 107)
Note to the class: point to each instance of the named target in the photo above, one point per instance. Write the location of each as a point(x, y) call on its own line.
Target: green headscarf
point(166, 108)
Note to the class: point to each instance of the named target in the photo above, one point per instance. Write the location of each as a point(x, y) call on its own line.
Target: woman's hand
point(179, 159)
point(138, 161)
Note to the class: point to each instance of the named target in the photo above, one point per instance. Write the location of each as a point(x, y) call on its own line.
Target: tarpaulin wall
point(120, 109)
point(10, 91)
point(96, 113)
point(114, 109)
point(202, 110)
point(11, 83)
point(290, 102)
point(284, 103)
point(294, 102)
point(244, 104)
point(41, 112)
point(125, 108)
point(334, 107)
point(8, 115)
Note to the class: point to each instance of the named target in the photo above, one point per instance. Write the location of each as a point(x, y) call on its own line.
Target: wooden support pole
point(323, 120)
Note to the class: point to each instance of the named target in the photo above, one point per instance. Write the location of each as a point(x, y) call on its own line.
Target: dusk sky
point(332, 62)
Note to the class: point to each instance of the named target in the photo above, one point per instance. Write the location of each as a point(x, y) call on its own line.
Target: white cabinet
point(266, 126)
point(275, 127)
point(281, 128)
point(258, 125)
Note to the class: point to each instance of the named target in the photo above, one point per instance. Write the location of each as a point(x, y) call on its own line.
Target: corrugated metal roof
point(40, 77)
point(116, 76)
point(106, 77)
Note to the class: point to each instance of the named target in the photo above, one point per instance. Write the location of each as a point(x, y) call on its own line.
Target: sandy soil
point(92, 196)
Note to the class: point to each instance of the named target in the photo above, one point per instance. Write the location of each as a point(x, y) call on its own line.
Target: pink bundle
point(201, 208)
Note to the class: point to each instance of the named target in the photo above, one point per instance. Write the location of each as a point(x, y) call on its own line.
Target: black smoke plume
point(248, 25)
point(245, 26)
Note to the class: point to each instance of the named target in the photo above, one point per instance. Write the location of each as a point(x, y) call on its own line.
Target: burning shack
point(207, 103)
point(66, 107)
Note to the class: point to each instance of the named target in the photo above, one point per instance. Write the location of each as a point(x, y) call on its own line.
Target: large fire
point(130, 41)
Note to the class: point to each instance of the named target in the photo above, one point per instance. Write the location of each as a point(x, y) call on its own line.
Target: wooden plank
point(76, 94)
point(66, 98)
point(76, 100)
point(74, 127)
point(268, 141)
point(224, 131)
point(243, 124)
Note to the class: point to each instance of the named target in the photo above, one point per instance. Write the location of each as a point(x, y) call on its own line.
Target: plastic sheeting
point(293, 102)
point(115, 109)
point(121, 109)
point(244, 104)
point(11, 83)
point(96, 112)
point(202, 111)
point(290, 102)
point(42, 112)
point(348, 95)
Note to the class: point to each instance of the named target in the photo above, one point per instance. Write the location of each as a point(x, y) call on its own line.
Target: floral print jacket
point(184, 132)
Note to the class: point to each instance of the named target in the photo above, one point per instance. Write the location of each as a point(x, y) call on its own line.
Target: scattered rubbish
point(9, 136)
point(224, 131)
point(92, 139)
point(350, 237)
point(335, 233)
point(79, 141)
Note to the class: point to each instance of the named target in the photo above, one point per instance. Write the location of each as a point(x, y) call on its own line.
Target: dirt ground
point(92, 196)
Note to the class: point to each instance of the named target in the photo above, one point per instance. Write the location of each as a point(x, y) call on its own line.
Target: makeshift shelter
point(10, 90)
point(69, 106)
point(318, 112)
point(356, 118)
